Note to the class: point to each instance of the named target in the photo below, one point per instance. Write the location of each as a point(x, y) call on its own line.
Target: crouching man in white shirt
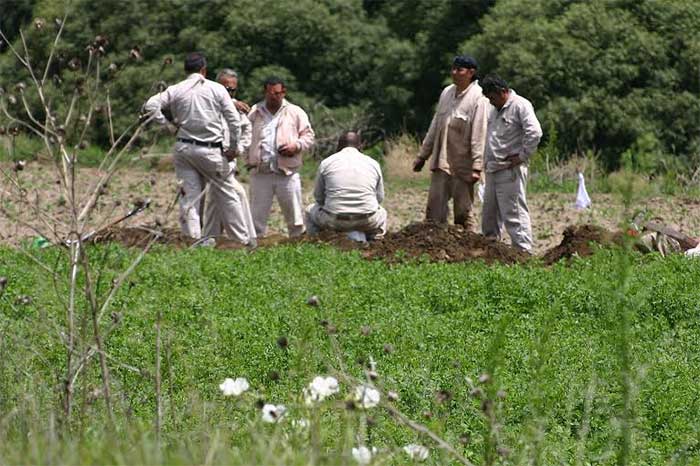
point(348, 192)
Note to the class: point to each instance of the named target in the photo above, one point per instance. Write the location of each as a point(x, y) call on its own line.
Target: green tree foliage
point(610, 75)
point(15, 13)
point(613, 76)
point(437, 28)
point(339, 64)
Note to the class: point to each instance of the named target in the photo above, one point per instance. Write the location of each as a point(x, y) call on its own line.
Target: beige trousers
point(213, 217)
point(264, 187)
point(195, 166)
point(318, 220)
point(444, 187)
point(505, 203)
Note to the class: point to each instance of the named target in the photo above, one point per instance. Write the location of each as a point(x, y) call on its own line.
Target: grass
point(552, 340)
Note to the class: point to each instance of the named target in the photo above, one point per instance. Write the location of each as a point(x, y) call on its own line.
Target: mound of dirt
point(579, 240)
point(140, 236)
point(443, 243)
point(435, 242)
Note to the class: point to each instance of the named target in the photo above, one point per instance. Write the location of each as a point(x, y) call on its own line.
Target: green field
point(595, 362)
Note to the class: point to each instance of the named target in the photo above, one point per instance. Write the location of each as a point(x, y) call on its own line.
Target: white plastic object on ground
point(358, 236)
point(583, 201)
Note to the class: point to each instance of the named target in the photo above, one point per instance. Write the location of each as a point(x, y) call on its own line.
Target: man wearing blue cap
point(455, 142)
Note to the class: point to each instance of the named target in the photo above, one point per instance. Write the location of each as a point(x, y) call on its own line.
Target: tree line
point(617, 77)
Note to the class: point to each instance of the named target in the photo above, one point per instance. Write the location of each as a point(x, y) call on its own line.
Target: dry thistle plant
point(63, 125)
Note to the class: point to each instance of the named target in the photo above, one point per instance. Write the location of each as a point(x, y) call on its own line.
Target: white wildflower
point(272, 413)
point(416, 452)
point(366, 396)
point(320, 389)
point(363, 455)
point(234, 387)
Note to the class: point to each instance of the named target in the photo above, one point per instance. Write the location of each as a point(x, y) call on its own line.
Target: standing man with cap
point(455, 142)
point(212, 215)
point(281, 132)
point(349, 188)
point(201, 109)
point(513, 135)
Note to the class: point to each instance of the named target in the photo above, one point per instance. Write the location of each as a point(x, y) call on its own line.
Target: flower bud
point(313, 301)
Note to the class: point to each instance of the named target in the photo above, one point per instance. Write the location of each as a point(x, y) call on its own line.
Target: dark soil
point(140, 236)
point(581, 241)
point(434, 242)
point(443, 243)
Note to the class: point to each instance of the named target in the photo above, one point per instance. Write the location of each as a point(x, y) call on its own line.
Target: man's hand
point(513, 160)
point(418, 164)
point(289, 150)
point(171, 128)
point(476, 175)
point(230, 154)
point(242, 106)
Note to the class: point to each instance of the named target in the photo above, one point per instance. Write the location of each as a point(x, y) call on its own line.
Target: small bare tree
point(63, 127)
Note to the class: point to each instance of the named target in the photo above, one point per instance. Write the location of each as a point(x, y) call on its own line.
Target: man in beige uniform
point(281, 132)
point(201, 109)
point(513, 135)
point(349, 188)
point(455, 141)
point(212, 216)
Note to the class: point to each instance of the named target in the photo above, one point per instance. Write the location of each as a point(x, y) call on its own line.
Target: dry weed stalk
point(69, 231)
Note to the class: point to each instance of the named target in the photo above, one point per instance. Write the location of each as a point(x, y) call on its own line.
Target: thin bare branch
point(53, 48)
point(159, 403)
point(420, 428)
point(31, 115)
point(73, 101)
point(92, 201)
point(124, 276)
point(92, 300)
point(109, 120)
point(13, 50)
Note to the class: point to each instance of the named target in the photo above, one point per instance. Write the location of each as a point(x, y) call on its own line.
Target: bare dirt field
point(551, 213)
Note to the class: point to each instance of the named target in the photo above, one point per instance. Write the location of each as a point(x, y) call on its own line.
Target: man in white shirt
point(201, 109)
point(512, 137)
point(349, 188)
point(212, 216)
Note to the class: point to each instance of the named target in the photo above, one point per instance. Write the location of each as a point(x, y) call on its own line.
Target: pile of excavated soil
point(443, 243)
point(580, 240)
point(434, 242)
point(140, 236)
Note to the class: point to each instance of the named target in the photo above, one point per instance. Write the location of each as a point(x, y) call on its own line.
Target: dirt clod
point(578, 241)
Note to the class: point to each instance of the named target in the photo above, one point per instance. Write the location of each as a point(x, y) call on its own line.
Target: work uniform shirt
point(200, 108)
point(512, 130)
point(457, 133)
point(349, 182)
point(244, 140)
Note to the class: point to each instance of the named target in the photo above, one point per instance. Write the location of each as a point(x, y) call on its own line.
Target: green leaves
point(603, 71)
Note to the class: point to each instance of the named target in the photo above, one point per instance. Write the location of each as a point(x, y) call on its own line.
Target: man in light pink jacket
point(281, 132)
